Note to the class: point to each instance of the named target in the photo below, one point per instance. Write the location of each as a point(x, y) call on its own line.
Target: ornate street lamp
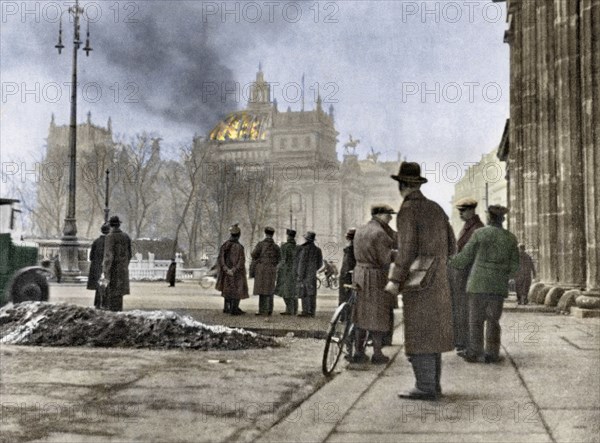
point(69, 247)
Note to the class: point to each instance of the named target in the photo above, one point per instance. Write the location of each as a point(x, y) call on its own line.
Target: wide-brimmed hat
point(409, 172)
point(498, 210)
point(382, 208)
point(269, 230)
point(310, 236)
point(105, 228)
point(465, 203)
point(234, 229)
point(290, 232)
point(114, 221)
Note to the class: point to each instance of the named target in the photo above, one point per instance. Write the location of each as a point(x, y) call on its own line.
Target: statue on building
point(351, 144)
point(373, 156)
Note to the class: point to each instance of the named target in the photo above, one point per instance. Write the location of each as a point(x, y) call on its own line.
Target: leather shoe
point(238, 311)
point(380, 359)
point(305, 314)
point(472, 358)
point(418, 394)
point(359, 358)
point(491, 359)
point(285, 313)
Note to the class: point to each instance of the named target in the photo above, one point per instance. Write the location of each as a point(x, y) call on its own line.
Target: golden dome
point(242, 126)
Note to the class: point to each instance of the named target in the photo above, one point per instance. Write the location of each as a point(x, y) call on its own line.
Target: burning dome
point(242, 126)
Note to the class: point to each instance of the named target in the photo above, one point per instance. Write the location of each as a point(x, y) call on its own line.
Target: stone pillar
point(547, 257)
point(590, 113)
point(529, 119)
point(515, 156)
point(571, 222)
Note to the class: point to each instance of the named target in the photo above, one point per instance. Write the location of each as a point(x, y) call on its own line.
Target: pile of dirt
point(47, 324)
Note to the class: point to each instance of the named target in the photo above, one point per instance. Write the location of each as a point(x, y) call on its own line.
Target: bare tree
point(259, 192)
point(137, 190)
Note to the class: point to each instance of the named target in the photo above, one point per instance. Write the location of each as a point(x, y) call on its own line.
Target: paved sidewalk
point(546, 390)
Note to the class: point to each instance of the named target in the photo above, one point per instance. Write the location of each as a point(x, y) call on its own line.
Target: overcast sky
point(428, 79)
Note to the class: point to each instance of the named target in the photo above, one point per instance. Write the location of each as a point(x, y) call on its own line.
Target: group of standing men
point(289, 271)
point(448, 302)
point(109, 266)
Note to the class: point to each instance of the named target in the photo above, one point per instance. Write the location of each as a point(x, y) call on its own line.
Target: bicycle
point(340, 337)
point(331, 282)
point(208, 280)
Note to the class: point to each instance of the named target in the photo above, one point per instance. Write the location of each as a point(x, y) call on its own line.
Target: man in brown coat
point(373, 247)
point(423, 231)
point(458, 277)
point(231, 280)
point(265, 258)
point(115, 266)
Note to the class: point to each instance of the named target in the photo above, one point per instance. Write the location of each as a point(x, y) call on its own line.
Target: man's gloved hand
point(229, 272)
point(392, 288)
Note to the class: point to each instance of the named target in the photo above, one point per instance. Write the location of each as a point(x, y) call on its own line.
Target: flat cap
point(269, 230)
point(497, 210)
point(466, 202)
point(382, 209)
point(290, 232)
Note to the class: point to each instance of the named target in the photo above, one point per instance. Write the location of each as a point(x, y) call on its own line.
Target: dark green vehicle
point(20, 277)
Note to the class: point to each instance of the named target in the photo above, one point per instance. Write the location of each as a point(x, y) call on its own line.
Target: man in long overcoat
point(373, 247)
point(231, 280)
point(265, 257)
point(524, 275)
point(115, 266)
point(286, 274)
point(493, 255)
point(348, 265)
point(171, 273)
point(310, 260)
point(96, 257)
point(423, 230)
point(458, 277)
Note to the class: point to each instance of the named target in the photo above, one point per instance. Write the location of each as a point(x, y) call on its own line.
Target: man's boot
point(227, 306)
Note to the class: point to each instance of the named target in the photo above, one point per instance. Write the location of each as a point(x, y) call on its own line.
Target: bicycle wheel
point(206, 282)
point(334, 283)
point(336, 340)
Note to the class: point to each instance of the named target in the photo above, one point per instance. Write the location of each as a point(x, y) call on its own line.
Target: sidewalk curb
point(317, 416)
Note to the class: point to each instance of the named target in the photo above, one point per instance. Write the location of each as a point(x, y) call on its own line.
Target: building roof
point(247, 125)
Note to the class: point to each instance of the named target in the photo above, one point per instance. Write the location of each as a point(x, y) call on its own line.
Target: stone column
point(571, 222)
point(515, 163)
point(529, 119)
point(547, 258)
point(590, 113)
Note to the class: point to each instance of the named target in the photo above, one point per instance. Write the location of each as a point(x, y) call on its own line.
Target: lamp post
point(106, 208)
point(69, 247)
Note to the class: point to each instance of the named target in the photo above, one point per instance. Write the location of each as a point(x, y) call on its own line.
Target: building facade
point(316, 191)
point(485, 182)
point(552, 148)
point(95, 153)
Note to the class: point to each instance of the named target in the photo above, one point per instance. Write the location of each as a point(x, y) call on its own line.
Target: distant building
point(317, 191)
point(95, 148)
point(485, 182)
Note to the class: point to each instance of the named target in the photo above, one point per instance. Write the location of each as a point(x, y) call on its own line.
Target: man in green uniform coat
point(286, 274)
point(493, 256)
